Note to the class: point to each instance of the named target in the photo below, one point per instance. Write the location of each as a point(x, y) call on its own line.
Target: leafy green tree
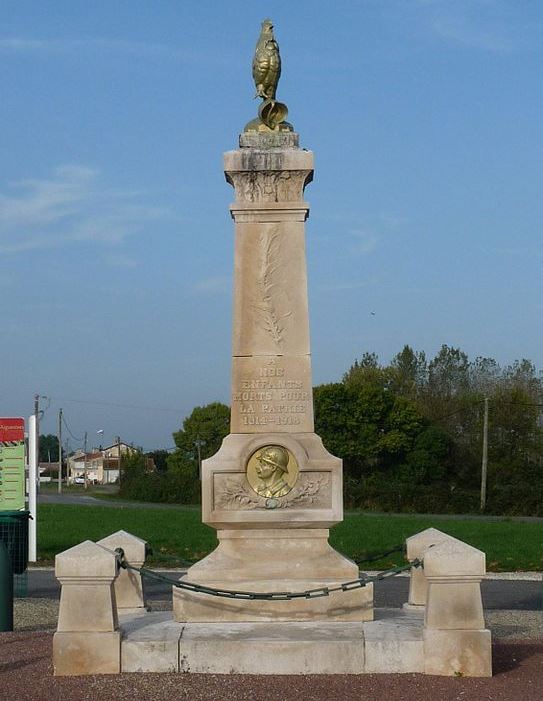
point(409, 372)
point(160, 459)
point(48, 451)
point(201, 436)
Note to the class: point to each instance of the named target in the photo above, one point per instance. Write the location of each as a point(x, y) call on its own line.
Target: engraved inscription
point(271, 397)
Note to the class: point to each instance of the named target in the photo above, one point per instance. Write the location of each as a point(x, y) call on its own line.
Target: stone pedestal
point(272, 491)
point(456, 642)
point(87, 640)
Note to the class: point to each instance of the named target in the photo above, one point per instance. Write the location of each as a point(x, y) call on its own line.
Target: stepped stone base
point(287, 559)
point(393, 643)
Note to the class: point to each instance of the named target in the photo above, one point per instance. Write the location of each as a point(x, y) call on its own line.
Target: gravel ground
point(26, 672)
point(42, 614)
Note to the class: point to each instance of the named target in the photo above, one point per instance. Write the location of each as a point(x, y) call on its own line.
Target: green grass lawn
point(509, 545)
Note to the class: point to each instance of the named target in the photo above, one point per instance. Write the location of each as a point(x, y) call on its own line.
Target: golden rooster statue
point(266, 63)
point(266, 73)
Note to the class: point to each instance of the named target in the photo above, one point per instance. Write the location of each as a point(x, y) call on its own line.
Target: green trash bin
point(14, 535)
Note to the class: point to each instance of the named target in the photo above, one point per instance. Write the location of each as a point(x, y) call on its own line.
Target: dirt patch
point(26, 672)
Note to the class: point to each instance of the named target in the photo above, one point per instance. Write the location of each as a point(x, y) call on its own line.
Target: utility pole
point(119, 457)
point(199, 443)
point(85, 462)
point(37, 444)
point(484, 463)
point(60, 451)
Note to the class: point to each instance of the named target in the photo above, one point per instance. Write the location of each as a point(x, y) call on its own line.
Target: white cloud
point(461, 31)
point(479, 24)
point(341, 286)
point(121, 261)
point(366, 242)
point(72, 205)
point(218, 283)
point(94, 45)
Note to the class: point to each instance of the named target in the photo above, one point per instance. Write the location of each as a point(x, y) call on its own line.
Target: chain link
point(266, 596)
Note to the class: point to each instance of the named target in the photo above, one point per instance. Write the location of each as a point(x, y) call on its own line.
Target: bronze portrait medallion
point(272, 471)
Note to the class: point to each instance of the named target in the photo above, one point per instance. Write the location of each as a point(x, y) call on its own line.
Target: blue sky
point(425, 117)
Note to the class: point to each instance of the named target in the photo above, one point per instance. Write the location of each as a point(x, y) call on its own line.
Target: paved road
point(497, 594)
point(85, 500)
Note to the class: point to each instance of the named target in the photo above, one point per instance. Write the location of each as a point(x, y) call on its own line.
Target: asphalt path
point(391, 593)
point(88, 500)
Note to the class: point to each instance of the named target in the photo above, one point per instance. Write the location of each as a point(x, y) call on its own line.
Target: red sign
point(12, 430)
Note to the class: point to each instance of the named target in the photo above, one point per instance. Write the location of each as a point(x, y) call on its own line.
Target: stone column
point(456, 642)
point(128, 585)
point(272, 491)
point(87, 640)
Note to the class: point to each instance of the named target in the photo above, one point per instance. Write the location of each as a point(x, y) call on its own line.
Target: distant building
point(100, 465)
point(47, 471)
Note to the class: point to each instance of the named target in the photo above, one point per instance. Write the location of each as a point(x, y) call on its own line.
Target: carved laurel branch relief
point(269, 186)
point(236, 495)
point(269, 289)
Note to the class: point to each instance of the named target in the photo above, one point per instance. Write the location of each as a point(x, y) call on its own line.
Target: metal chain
point(168, 558)
point(380, 556)
point(266, 596)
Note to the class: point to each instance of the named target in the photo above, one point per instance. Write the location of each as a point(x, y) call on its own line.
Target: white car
point(79, 480)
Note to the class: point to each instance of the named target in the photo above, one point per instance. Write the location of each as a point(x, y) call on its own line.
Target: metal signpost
point(13, 517)
point(12, 464)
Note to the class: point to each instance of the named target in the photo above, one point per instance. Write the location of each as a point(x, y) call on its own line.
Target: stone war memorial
point(274, 597)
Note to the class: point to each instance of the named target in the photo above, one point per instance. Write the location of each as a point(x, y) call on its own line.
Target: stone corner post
point(456, 642)
point(128, 585)
point(416, 545)
point(87, 640)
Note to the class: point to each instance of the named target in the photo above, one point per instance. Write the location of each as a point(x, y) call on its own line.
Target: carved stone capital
point(269, 186)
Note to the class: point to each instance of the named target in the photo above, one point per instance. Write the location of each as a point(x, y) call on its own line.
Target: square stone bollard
point(456, 642)
point(416, 545)
point(128, 585)
point(87, 640)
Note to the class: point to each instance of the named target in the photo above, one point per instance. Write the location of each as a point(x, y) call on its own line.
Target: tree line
point(409, 433)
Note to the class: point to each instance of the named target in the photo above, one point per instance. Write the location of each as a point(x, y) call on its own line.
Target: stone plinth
point(87, 640)
point(393, 643)
point(270, 560)
point(455, 639)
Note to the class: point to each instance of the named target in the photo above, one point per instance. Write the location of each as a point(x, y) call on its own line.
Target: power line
point(458, 411)
point(532, 404)
point(68, 429)
point(117, 406)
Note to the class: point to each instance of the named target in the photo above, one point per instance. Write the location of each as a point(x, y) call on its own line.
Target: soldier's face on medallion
point(264, 468)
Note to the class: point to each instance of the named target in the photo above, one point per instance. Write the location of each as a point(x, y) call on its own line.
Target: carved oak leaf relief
point(309, 492)
point(271, 298)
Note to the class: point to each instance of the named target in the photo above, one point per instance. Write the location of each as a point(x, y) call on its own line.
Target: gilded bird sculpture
point(266, 63)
